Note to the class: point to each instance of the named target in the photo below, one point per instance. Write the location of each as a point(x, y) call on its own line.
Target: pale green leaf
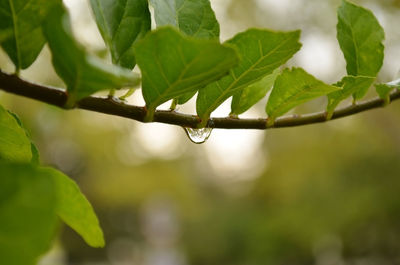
point(23, 19)
point(360, 37)
point(35, 152)
point(246, 98)
point(75, 210)
point(292, 88)
point(261, 52)
point(350, 85)
point(172, 64)
point(27, 213)
point(384, 90)
point(83, 74)
point(122, 23)
point(15, 146)
point(193, 17)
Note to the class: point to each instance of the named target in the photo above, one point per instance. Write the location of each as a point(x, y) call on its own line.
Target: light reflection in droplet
point(198, 136)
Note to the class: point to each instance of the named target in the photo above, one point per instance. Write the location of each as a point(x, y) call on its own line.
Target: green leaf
point(23, 19)
point(360, 37)
point(193, 17)
point(384, 90)
point(122, 23)
point(172, 64)
point(292, 88)
point(185, 98)
point(15, 146)
point(75, 210)
point(83, 74)
point(261, 51)
point(246, 98)
point(5, 35)
point(35, 152)
point(350, 85)
point(27, 213)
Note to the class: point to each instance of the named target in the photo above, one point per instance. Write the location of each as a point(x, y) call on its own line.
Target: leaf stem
point(111, 93)
point(174, 103)
point(128, 94)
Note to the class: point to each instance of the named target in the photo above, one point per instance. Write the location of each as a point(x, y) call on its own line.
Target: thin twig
point(112, 106)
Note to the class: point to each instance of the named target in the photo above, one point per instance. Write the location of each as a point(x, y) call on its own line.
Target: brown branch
point(57, 97)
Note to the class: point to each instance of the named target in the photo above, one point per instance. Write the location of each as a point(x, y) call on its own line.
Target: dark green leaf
point(172, 64)
point(22, 19)
point(193, 17)
point(75, 210)
point(349, 84)
point(122, 23)
point(261, 51)
point(35, 154)
point(246, 98)
point(27, 213)
point(83, 74)
point(6, 34)
point(360, 37)
point(15, 146)
point(292, 88)
point(185, 98)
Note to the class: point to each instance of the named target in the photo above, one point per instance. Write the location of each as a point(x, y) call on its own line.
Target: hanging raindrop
point(198, 136)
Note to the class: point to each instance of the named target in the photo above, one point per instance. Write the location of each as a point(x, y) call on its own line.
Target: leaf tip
point(97, 241)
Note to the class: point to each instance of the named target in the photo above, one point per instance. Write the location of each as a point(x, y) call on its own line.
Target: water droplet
point(198, 136)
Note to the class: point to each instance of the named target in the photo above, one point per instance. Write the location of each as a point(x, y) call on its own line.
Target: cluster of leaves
point(184, 56)
point(34, 198)
point(181, 58)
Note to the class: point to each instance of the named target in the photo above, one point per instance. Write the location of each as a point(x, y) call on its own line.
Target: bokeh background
point(326, 194)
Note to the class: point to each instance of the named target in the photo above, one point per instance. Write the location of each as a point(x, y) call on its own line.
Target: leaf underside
point(20, 22)
point(350, 85)
point(122, 23)
point(292, 88)
point(384, 90)
point(246, 98)
point(75, 210)
point(178, 63)
point(14, 144)
point(83, 74)
point(192, 17)
point(261, 52)
point(172, 64)
point(360, 37)
point(27, 213)
point(70, 204)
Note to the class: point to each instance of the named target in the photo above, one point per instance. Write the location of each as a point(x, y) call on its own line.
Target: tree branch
point(112, 106)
